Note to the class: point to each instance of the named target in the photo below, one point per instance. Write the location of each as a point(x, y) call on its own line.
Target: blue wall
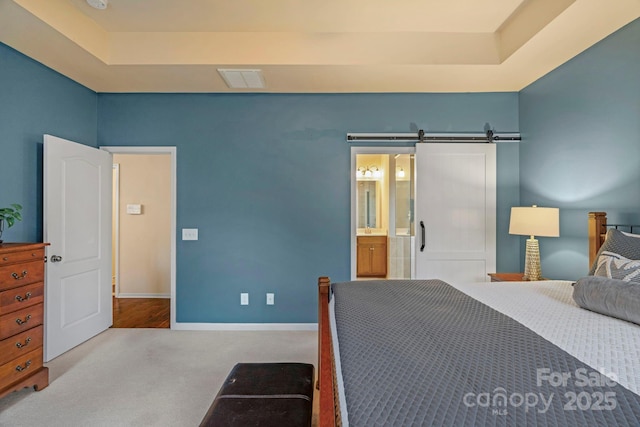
point(264, 177)
point(581, 145)
point(35, 100)
point(266, 180)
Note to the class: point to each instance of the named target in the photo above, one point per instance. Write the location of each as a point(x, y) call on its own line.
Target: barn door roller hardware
point(489, 137)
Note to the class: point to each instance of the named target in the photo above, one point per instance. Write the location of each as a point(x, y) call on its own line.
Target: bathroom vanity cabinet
point(372, 256)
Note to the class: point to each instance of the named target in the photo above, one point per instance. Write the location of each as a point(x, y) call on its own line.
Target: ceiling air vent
point(242, 79)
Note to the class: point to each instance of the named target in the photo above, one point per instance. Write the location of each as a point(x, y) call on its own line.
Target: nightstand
point(508, 277)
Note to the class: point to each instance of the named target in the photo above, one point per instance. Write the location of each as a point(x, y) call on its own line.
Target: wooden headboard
point(597, 233)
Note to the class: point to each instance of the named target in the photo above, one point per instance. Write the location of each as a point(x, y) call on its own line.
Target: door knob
point(56, 258)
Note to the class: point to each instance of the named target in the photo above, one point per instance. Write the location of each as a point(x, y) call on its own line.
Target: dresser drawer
point(20, 344)
point(12, 276)
point(22, 297)
point(21, 256)
point(20, 367)
point(20, 321)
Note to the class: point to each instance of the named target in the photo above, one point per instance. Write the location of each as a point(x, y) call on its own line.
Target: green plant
point(10, 215)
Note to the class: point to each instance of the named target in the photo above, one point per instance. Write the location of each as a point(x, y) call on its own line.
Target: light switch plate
point(134, 209)
point(270, 298)
point(244, 298)
point(189, 234)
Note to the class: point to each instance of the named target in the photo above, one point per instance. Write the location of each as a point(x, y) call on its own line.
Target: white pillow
point(615, 266)
point(619, 242)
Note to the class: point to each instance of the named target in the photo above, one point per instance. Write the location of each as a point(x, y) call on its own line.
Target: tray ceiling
point(310, 46)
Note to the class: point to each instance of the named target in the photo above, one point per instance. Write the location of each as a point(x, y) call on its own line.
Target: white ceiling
point(310, 45)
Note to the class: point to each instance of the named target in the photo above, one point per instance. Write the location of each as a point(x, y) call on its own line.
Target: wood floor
point(141, 312)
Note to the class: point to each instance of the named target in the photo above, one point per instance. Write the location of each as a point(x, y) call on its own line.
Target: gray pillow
point(611, 297)
point(618, 242)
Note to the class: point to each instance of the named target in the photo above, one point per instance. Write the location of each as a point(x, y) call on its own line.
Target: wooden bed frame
point(327, 406)
point(597, 233)
point(325, 386)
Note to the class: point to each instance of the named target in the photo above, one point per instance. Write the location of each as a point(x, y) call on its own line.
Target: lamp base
point(532, 261)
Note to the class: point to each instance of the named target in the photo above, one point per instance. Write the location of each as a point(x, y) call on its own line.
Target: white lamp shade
point(535, 221)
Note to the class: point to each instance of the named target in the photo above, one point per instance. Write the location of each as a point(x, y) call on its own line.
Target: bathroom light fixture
point(369, 172)
point(98, 4)
point(400, 173)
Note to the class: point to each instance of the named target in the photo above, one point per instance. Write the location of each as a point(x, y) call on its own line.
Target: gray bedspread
point(422, 353)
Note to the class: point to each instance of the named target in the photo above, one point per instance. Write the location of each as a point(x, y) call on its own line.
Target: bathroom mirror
point(367, 204)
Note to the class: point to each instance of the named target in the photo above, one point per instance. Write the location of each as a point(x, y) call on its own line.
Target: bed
point(426, 352)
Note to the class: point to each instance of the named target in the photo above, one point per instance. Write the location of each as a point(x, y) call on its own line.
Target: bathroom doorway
point(382, 222)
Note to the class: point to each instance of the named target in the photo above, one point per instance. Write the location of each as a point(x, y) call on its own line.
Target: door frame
point(116, 223)
point(172, 151)
point(353, 228)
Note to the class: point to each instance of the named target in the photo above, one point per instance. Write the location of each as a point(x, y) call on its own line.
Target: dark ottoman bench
point(264, 394)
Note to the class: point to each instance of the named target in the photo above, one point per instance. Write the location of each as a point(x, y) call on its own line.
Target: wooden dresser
point(21, 317)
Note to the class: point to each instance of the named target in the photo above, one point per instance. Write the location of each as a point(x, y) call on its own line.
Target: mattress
point(428, 353)
point(547, 307)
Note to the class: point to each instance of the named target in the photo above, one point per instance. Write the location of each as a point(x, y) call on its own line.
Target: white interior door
point(77, 224)
point(455, 211)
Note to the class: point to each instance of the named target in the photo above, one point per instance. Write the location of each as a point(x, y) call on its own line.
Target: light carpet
point(147, 377)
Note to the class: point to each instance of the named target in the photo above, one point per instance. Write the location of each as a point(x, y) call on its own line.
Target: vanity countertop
point(372, 232)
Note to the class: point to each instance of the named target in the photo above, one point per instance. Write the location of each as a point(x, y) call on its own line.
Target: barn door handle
point(423, 236)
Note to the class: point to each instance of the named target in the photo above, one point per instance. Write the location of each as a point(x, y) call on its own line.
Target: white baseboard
point(184, 326)
point(129, 295)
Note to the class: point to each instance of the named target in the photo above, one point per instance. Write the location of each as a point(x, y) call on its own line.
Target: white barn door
point(77, 224)
point(455, 211)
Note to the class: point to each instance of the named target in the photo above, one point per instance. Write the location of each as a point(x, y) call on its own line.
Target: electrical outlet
point(189, 234)
point(244, 298)
point(270, 299)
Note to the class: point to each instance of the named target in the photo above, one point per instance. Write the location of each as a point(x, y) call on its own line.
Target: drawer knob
point(21, 298)
point(5, 258)
point(22, 322)
point(19, 276)
point(22, 368)
point(26, 343)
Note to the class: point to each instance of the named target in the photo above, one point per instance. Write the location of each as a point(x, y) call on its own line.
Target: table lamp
point(534, 221)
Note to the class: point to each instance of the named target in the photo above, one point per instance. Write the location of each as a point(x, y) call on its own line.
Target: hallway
point(141, 312)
